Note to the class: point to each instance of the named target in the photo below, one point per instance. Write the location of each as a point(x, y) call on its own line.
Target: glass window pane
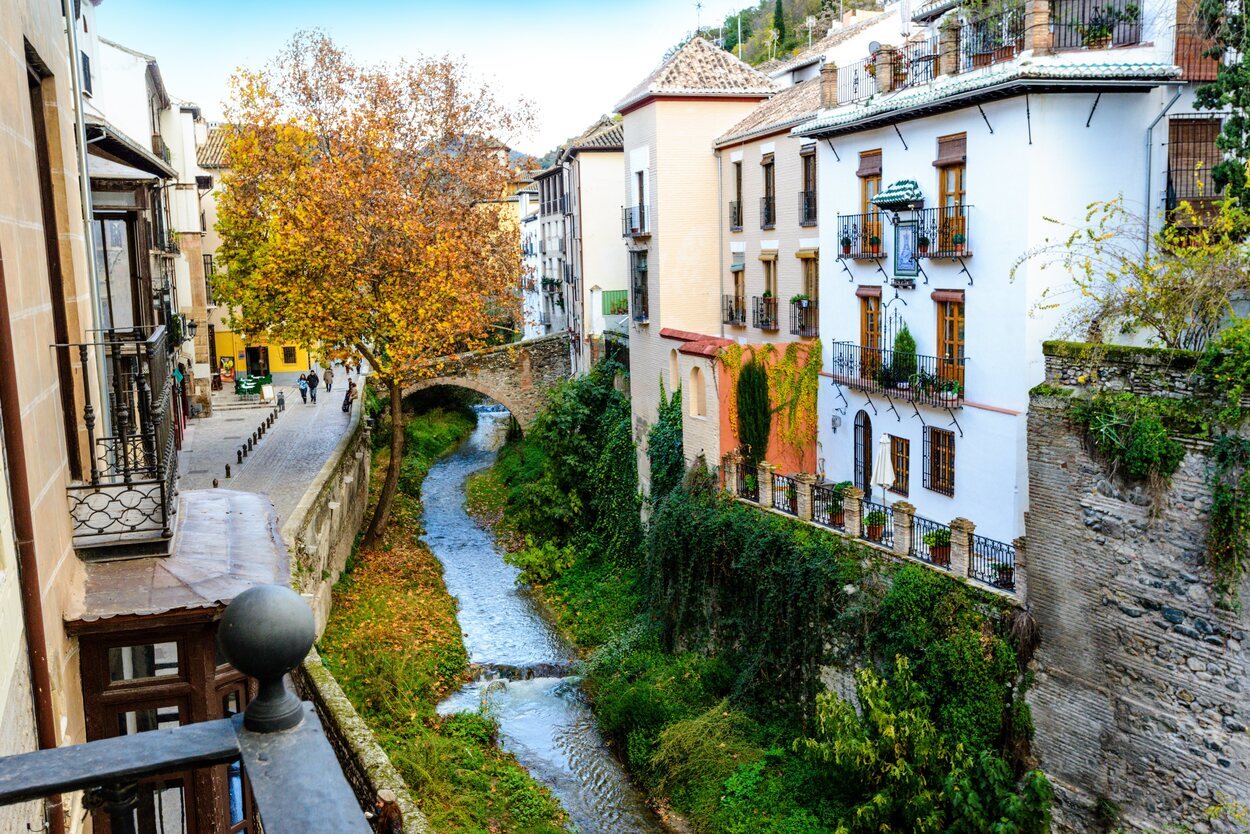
point(161, 809)
point(153, 660)
point(142, 720)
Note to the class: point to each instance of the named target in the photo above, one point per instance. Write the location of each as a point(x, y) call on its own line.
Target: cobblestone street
point(286, 459)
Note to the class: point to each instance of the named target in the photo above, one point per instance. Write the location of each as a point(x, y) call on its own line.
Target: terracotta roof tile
point(213, 152)
point(700, 69)
point(788, 108)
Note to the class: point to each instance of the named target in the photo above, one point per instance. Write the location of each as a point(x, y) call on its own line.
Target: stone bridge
point(517, 375)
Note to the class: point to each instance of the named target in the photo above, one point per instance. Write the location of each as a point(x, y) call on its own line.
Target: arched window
point(863, 453)
point(698, 397)
point(674, 372)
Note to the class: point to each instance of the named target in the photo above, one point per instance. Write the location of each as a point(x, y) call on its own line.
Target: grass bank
point(395, 647)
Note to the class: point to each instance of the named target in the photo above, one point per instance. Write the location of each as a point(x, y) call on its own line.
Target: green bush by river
point(706, 633)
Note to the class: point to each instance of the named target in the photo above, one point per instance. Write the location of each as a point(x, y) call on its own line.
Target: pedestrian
point(329, 378)
point(303, 388)
point(386, 815)
point(313, 384)
point(350, 396)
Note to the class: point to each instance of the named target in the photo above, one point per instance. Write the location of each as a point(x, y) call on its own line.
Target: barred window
point(939, 460)
point(900, 454)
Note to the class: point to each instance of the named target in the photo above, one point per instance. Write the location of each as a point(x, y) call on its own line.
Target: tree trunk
point(382, 512)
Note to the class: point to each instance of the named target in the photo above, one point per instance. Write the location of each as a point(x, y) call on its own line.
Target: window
point(870, 186)
point(939, 460)
point(950, 333)
point(900, 453)
point(638, 286)
point(288, 354)
point(86, 74)
point(811, 277)
point(674, 371)
point(870, 321)
point(770, 276)
point(950, 163)
point(735, 208)
point(807, 197)
point(1192, 153)
point(768, 203)
point(151, 660)
point(698, 396)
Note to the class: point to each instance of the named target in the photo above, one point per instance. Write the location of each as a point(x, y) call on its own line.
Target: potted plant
point(939, 544)
point(1004, 574)
point(846, 244)
point(875, 522)
point(802, 300)
point(792, 498)
point(874, 244)
point(923, 242)
point(903, 365)
point(837, 512)
point(768, 294)
point(950, 390)
point(1098, 30)
point(958, 240)
point(750, 486)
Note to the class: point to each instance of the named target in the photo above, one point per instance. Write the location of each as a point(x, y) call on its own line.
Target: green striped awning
point(615, 302)
point(901, 194)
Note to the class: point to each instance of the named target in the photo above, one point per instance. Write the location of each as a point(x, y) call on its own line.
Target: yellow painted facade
point(233, 347)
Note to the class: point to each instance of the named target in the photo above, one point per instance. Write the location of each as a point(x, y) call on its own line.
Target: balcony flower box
point(875, 522)
point(874, 245)
point(802, 301)
point(846, 245)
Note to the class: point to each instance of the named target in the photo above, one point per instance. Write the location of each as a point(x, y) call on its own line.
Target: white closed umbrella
point(883, 466)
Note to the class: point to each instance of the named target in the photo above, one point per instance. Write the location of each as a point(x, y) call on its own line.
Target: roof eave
point(639, 101)
point(119, 144)
point(786, 126)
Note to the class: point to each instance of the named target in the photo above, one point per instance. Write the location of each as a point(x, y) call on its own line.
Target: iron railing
point(734, 310)
point(807, 208)
point(856, 234)
point(993, 562)
point(768, 212)
point(805, 319)
point(931, 542)
point(857, 80)
point(209, 271)
point(785, 494)
point(1094, 24)
point(930, 380)
point(129, 498)
point(748, 485)
point(943, 232)
point(735, 215)
point(872, 527)
point(634, 221)
point(764, 313)
point(992, 38)
point(914, 63)
point(827, 508)
point(1192, 154)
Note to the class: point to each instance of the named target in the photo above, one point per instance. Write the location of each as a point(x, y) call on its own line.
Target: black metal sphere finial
point(265, 633)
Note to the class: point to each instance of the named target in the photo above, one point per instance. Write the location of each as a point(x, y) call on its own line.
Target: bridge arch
point(518, 376)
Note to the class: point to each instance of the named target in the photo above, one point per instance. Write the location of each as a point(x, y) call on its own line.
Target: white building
point(983, 130)
point(553, 266)
point(531, 267)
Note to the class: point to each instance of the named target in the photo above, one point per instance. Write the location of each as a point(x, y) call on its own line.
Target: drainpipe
point(720, 239)
point(28, 564)
point(1150, 154)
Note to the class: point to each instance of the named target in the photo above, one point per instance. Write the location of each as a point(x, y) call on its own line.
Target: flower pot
point(903, 386)
point(794, 505)
point(982, 59)
point(839, 518)
point(924, 249)
point(846, 250)
point(959, 248)
point(875, 531)
point(940, 554)
point(874, 248)
point(805, 303)
point(1005, 577)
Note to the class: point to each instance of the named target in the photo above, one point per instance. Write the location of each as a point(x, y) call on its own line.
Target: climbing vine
point(1228, 535)
point(665, 448)
point(793, 377)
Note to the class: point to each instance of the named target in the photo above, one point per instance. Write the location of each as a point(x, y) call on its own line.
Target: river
point(544, 719)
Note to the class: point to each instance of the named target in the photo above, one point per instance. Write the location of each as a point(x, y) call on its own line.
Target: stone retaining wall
point(1142, 697)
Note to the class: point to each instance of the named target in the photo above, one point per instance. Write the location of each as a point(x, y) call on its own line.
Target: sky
point(573, 60)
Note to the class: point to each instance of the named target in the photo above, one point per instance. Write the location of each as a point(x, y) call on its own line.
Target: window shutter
point(869, 164)
point(952, 150)
point(928, 457)
point(948, 295)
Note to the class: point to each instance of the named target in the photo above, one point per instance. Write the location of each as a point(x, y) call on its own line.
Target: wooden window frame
point(900, 456)
point(939, 460)
point(954, 314)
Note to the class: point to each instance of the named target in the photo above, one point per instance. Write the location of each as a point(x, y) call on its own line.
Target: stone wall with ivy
point(1142, 694)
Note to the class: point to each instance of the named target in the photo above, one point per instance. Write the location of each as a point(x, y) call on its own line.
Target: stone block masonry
point(1142, 695)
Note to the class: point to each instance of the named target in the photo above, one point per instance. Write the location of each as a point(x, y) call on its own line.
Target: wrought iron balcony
point(634, 222)
point(994, 38)
point(930, 380)
point(857, 80)
point(805, 318)
point(735, 215)
point(943, 232)
point(734, 310)
point(768, 212)
point(129, 500)
point(1093, 24)
point(860, 235)
point(807, 208)
point(764, 315)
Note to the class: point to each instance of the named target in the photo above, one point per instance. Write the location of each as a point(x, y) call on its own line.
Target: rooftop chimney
point(828, 85)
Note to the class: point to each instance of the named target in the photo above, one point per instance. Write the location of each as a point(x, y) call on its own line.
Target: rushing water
point(543, 716)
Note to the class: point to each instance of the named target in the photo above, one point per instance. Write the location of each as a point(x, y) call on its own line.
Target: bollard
point(214, 483)
point(243, 453)
point(227, 471)
point(240, 455)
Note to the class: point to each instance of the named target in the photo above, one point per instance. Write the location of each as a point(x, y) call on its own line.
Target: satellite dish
point(873, 46)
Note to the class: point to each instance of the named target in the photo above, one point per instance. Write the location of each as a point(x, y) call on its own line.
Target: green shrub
point(665, 448)
point(696, 755)
point(903, 361)
point(755, 411)
point(541, 563)
point(1134, 432)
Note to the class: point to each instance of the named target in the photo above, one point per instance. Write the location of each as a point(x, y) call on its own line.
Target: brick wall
point(1142, 695)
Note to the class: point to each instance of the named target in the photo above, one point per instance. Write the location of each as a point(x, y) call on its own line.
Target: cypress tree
point(755, 414)
point(779, 23)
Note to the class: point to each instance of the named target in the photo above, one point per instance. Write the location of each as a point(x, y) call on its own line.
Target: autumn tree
point(361, 215)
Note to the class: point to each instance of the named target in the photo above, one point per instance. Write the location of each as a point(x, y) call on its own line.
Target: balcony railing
point(634, 222)
point(805, 318)
point(785, 494)
point(764, 314)
point(768, 212)
point(930, 380)
point(993, 562)
point(943, 232)
point(860, 235)
point(930, 542)
point(129, 499)
point(748, 485)
point(857, 80)
point(827, 508)
point(734, 310)
point(877, 523)
point(807, 208)
point(735, 215)
point(992, 38)
point(209, 272)
point(914, 63)
point(1094, 24)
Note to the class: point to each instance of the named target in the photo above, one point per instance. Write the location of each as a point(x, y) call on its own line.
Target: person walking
point(313, 383)
point(303, 388)
point(329, 378)
point(350, 397)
